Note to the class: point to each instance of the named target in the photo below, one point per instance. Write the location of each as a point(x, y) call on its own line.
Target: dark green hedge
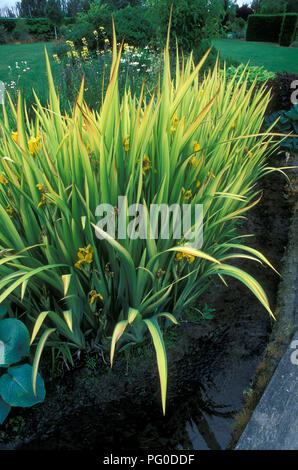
point(37, 27)
point(8, 23)
point(288, 30)
point(272, 28)
point(40, 27)
point(69, 20)
point(265, 28)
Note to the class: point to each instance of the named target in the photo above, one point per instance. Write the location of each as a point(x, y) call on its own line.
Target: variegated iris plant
point(189, 141)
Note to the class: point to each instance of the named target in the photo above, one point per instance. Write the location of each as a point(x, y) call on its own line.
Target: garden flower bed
point(212, 365)
point(85, 293)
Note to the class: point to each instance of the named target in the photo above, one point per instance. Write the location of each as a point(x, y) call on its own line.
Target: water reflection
point(188, 425)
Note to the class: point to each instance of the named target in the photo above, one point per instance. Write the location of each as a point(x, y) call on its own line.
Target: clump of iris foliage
point(195, 142)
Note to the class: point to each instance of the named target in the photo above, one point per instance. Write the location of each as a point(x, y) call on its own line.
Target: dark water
point(201, 417)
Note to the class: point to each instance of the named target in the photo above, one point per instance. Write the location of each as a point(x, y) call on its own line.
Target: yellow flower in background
point(175, 119)
point(179, 256)
point(106, 40)
point(14, 135)
point(3, 179)
point(85, 255)
point(196, 146)
point(187, 194)
point(42, 201)
point(126, 143)
point(233, 125)
point(146, 164)
point(95, 32)
point(56, 58)
point(9, 210)
point(189, 258)
point(41, 187)
point(194, 162)
point(34, 145)
point(94, 295)
point(101, 28)
point(198, 184)
point(174, 123)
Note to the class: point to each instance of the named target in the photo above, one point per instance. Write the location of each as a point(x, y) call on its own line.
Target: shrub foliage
point(189, 142)
point(280, 28)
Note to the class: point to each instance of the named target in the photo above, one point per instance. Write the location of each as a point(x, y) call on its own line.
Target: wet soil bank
point(211, 366)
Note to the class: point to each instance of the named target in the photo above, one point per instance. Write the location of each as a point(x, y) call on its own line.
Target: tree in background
point(54, 13)
point(232, 22)
point(98, 14)
point(117, 4)
point(244, 11)
point(194, 22)
point(229, 7)
point(271, 7)
point(292, 6)
point(256, 6)
point(73, 7)
point(32, 8)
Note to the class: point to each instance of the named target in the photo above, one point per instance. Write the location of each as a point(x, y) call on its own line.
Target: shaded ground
point(211, 366)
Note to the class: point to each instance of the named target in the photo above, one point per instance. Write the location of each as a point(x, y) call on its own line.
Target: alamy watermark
point(158, 221)
point(294, 355)
point(2, 92)
point(294, 95)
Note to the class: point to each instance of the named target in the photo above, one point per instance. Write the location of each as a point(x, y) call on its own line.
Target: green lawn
point(271, 56)
point(33, 54)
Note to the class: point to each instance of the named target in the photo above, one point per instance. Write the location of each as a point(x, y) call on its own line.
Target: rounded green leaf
point(16, 387)
point(14, 341)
